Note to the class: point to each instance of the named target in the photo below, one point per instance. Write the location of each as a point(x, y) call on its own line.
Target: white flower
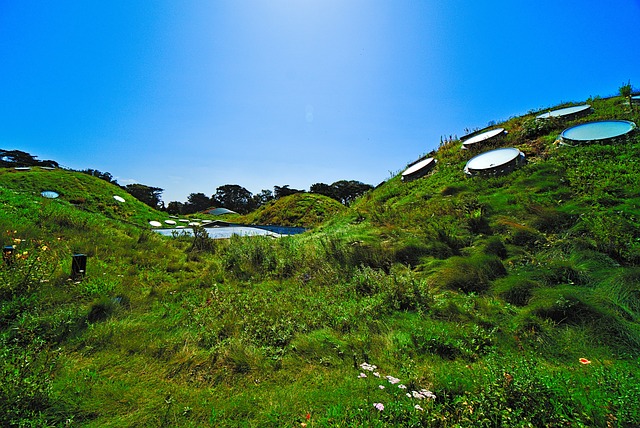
point(362, 375)
point(417, 395)
point(392, 380)
point(379, 406)
point(417, 407)
point(368, 367)
point(381, 386)
point(401, 386)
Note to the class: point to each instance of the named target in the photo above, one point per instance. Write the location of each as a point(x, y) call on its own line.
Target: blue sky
point(191, 95)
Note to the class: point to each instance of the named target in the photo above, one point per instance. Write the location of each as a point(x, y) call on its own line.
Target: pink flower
point(362, 375)
point(379, 406)
point(381, 386)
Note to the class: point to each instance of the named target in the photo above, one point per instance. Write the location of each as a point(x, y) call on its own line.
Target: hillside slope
point(83, 191)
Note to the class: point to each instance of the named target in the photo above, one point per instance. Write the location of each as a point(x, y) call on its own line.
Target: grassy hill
point(86, 193)
point(514, 300)
point(300, 209)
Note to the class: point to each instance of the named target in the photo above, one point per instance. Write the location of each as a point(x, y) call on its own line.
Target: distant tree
point(146, 194)
point(324, 189)
point(342, 191)
point(348, 191)
point(106, 176)
point(262, 198)
point(9, 158)
point(280, 192)
point(196, 202)
point(174, 207)
point(234, 197)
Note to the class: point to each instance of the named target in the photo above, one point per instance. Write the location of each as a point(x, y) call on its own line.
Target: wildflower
point(584, 361)
point(361, 375)
point(368, 367)
point(303, 424)
point(428, 394)
point(408, 395)
point(376, 374)
point(417, 395)
point(308, 416)
point(392, 380)
point(401, 386)
point(417, 407)
point(379, 406)
point(381, 386)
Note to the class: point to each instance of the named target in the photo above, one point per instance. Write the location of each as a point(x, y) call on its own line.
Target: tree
point(348, 191)
point(323, 189)
point(280, 192)
point(106, 176)
point(262, 198)
point(175, 207)
point(233, 197)
point(342, 191)
point(196, 202)
point(146, 194)
point(9, 158)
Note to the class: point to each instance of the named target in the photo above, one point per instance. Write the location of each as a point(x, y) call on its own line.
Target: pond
point(228, 231)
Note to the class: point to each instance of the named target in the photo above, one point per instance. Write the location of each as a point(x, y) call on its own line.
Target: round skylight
point(494, 162)
point(485, 136)
point(566, 112)
point(419, 169)
point(598, 131)
point(49, 194)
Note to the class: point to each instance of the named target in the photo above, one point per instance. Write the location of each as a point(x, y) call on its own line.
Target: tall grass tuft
point(469, 274)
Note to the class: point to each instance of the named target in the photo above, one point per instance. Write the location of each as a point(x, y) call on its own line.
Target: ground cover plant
point(446, 301)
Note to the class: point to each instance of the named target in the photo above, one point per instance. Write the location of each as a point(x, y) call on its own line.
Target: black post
point(7, 254)
point(78, 266)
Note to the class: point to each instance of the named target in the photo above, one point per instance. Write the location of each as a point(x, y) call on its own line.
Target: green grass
point(486, 292)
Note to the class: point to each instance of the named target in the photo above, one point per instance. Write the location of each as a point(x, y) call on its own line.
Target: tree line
point(233, 196)
point(236, 198)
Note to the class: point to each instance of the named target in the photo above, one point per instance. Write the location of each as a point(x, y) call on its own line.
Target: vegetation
point(446, 302)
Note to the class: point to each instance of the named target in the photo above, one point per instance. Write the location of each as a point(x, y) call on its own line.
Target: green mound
point(86, 193)
point(300, 209)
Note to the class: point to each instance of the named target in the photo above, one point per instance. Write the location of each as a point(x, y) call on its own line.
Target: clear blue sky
point(190, 95)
